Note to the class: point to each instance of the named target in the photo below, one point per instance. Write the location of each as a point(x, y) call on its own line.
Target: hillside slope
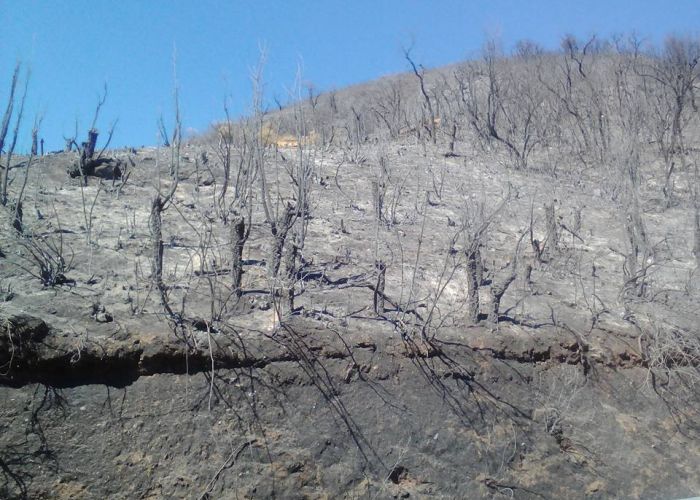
point(414, 294)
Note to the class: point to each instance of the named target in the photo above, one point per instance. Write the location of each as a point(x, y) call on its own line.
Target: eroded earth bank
point(310, 411)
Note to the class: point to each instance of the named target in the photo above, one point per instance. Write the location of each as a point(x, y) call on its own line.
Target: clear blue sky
point(74, 46)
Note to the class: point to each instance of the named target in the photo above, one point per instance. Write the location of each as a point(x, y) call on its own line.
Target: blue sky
point(74, 46)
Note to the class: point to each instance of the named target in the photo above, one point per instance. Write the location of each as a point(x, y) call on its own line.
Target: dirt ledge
point(31, 351)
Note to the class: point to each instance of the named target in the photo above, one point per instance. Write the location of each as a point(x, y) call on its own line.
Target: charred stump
point(89, 146)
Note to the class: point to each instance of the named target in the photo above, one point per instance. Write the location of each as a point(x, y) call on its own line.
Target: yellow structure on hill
point(272, 137)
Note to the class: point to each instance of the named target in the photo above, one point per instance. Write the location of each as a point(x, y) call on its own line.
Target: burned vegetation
point(540, 208)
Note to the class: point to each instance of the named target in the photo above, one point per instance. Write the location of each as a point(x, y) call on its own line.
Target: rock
point(100, 314)
point(103, 168)
point(104, 317)
point(21, 327)
point(19, 335)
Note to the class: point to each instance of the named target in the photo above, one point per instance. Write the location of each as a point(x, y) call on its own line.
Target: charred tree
point(551, 244)
point(155, 224)
point(90, 144)
point(290, 263)
point(280, 229)
point(238, 239)
point(473, 282)
point(696, 245)
point(380, 266)
point(497, 291)
point(499, 285)
point(3, 130)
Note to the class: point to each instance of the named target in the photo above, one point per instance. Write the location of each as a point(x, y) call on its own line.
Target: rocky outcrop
point(103, 168)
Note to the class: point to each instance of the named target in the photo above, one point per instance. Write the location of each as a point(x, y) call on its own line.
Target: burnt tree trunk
point(453, 139)
point(17, 219)
point(91, 144)
point(156, 227)
point(280, 229)
point(378, 193)
point(87, 153)
point(668, 185)
point(290, 267)
point(379, 288)
point(479, 267)
point(552, 241)
point(473, 283)
point(35, 143)
point(238, 239)
point(497, 290)
point(696, 245)
point(634, 274)
point(528, 275)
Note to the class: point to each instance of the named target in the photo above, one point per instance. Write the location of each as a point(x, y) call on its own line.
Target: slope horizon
point(73, 51)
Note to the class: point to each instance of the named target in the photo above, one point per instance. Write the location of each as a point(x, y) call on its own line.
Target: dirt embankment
point(310, 411)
